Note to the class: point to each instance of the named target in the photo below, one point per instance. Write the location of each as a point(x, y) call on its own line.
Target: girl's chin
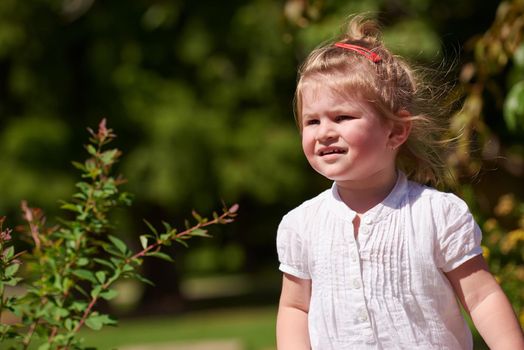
point(333, 176)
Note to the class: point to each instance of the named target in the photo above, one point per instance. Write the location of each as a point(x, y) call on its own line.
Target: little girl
point(379, 260)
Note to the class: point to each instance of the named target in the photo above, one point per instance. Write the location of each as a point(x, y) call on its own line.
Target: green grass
point(254, 328)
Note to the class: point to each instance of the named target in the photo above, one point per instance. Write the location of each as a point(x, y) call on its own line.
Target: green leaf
point(127, 268)
point(109, 294)
point(143, 279)
point(78, 305)
point(117, 262)
point(200, 233)
point(82, 261)
point(11, 270)
point(96, 291)
point(69, 324)
point(119, 244)
point(514, 108)
point(80, 196)
point(96, 321)
point(101, 276)
point(83, 186)
point(136, 261)
point(161, 255)
point(104, 263)
point(45, 346)
point(60, 312)
point(183, 242)
point(151, 227)
point(57, 281)
point(165, 236)
point(94, 324)
point(167, 242)
point(197, 216)
point(79, 165)
point(125, 198)
point(113, 251)
point(13, 281)
point(81, 290)
point(71, 207)
point(108, 156)
point(91, 150)
point(167, 226)
point(9, 252)
point(85, 275)
point(143, 241)
point(518, 57)
point(67, 283)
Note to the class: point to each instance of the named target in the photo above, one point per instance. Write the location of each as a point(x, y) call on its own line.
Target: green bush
point(73, 265)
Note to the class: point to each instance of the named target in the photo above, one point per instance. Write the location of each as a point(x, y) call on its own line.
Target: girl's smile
point(326, 151)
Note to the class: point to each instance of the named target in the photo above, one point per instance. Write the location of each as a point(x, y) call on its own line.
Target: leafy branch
point(73, 265)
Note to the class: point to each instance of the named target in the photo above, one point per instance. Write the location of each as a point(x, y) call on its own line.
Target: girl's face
point(344, 139)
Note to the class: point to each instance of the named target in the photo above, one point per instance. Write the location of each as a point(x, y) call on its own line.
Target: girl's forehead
point(313, 92)
point(349, 85)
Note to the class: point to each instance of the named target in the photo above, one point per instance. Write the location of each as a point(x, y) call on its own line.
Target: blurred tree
point(491, 130)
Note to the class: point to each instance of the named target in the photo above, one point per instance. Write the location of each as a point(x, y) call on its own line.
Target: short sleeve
point(459, 235)
point(292, 248)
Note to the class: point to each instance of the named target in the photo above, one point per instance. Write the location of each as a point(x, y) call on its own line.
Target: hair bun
point(360, 28)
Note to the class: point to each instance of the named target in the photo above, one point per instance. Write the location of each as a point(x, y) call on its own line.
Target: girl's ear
point(400, 129)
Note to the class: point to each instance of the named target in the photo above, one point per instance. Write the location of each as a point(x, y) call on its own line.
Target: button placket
point(364, 237)
point(356, 285)
point(364, 226)
point(356, 278)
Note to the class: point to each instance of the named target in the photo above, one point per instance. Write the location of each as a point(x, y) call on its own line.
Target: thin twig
point(29, 335)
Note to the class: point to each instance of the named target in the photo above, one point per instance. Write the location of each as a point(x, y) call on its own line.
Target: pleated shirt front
point(385, 289)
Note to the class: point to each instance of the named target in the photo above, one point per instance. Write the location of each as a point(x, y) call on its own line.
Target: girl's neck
point(361, 196)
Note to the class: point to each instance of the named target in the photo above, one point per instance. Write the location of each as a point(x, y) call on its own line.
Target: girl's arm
point(488, 306)
point(292, 325)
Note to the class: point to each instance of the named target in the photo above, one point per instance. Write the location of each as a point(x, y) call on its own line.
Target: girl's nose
point(325, 132)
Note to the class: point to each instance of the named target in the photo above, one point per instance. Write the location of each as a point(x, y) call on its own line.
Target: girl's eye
point(312, 121)
point(340, 118)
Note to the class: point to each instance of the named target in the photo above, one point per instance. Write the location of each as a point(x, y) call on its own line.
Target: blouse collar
point(392, 201)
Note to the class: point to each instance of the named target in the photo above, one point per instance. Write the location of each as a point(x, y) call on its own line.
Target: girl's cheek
point(306, 138)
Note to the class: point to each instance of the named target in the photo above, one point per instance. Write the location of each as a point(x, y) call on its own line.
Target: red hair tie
point(370, 55)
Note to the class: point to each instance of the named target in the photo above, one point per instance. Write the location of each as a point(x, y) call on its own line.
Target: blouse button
point(370, 340)
point(354, 256)
point(356, 283)
point(363, 317)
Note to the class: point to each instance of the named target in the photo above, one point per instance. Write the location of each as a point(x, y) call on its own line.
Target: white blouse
point(386, 289)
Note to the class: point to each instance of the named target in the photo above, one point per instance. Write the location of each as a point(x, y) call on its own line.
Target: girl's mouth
point(331, 150)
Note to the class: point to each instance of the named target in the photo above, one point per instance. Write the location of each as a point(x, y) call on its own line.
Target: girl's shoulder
point(309, 207)
point(444, 203)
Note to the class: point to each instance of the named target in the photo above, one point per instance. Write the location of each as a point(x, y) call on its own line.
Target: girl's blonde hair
point(393, 87)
